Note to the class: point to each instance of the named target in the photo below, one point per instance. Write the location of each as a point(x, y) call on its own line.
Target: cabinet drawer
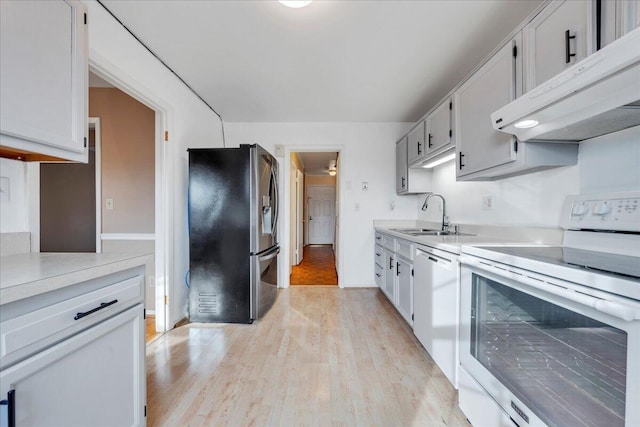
point(405, 249)
point(31, 332)
point(378, 239)
point(389, 242)
point(379, 276)
point(379, 255)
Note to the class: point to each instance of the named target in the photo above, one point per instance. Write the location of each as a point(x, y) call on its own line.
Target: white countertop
point(450, 243)
point(26, 275)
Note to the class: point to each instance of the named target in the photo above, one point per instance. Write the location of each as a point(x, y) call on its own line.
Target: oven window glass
point(569, 369)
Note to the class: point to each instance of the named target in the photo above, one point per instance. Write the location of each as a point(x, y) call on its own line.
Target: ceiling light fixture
point(332, 168)
point(295, 4)
point(526, 124)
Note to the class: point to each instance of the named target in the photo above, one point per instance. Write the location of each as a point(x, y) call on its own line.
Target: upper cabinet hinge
point(145, 410)
point(450, 105)
point(515, 51)
point(450, 132)
point(85, 142)
point(515, 146)
point(85, 19)
point(144, 313)
point(166, 135)
point(412, 272)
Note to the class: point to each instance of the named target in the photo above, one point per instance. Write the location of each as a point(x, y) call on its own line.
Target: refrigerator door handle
point(276, 209)
point(269, 255)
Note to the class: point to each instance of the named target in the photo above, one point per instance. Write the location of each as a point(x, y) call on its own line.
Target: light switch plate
point(109, 204)
point(5, 189)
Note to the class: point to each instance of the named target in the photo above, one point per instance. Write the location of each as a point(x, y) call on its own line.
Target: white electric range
point(552, 333)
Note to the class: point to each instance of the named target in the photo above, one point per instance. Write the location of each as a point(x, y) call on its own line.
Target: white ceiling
point(316, 163)
point(366, 61)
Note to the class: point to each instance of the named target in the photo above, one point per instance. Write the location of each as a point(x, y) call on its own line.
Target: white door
point(322, 217)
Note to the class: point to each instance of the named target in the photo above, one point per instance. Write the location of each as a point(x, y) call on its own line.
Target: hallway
point(318, 267)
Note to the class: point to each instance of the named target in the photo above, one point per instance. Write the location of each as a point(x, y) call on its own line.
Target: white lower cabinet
point(435, 308)
point(95, 378)
point(395, 275)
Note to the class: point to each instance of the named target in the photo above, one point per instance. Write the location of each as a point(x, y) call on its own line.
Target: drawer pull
point(102, 305)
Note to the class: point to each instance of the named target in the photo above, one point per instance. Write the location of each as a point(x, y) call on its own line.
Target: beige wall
point(128, 160)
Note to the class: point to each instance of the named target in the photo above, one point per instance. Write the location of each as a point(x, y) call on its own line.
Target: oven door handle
point(626, 312)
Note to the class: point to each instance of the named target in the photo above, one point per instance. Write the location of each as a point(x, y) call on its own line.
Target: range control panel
point(610, 211)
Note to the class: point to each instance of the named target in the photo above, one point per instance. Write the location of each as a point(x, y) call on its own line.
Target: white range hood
point(597, 96)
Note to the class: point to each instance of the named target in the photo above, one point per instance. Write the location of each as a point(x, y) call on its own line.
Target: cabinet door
point(95, 378)
point(390, 275)
point(627, 16)
point(43, 77)
point(557, 38)
point(402, 183)
point(439, 131)
point(416, 144)
point(494, 85)
point(405, 288)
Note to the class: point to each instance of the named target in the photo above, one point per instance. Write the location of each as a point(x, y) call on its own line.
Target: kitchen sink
point(428, 232)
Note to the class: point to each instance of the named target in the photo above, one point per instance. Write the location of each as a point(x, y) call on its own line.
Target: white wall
point(367, 154)
point(190, 123)
point(608, 163)
point(611, 163)
point(13, 202)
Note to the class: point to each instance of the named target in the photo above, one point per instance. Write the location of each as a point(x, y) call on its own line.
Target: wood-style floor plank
point(322, 356)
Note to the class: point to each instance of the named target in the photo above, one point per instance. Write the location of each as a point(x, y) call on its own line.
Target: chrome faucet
point(445, 221)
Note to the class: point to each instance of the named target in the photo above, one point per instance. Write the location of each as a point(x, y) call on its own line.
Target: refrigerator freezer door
point(264, 279)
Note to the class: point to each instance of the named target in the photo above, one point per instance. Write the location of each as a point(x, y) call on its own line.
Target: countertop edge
point(25, 290)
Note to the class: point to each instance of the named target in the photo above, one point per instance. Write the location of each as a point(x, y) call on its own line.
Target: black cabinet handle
point(397, 269)
point(377, 254)
point(430, 137)
point(403, 180)
point(10, 403)
point(419, 148)
point(378, 274)
point(432, 259)
point(567, 46)
point(460, 164)
point(391, 263)
point(100, 307)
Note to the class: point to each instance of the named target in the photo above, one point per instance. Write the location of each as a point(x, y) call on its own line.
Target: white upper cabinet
point(416, 145)
point(409, 181)
point(439, 130)
point(618, 17)
point(558, 37)
point(43, 79)
point(494, 85)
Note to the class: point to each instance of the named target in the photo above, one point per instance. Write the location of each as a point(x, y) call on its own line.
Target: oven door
point(548, 352)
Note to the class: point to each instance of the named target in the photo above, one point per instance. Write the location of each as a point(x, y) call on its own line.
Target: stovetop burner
point(598, 262)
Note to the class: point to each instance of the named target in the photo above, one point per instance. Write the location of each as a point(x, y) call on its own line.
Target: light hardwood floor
point(321, 356)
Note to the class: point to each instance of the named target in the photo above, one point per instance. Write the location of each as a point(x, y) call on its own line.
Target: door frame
point(286, 223)
point(308, 188)
point(299, 216)
point(94, 123)
point(163, 191)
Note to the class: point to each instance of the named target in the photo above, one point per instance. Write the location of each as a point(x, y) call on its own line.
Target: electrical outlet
point(487, 202)
point(108, 204)
point(365, 186)
point(392, 205)
point(356, 206)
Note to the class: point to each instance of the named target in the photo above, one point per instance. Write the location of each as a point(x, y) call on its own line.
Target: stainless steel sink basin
point(427, 232)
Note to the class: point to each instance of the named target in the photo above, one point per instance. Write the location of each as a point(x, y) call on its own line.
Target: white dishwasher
point(436, 308)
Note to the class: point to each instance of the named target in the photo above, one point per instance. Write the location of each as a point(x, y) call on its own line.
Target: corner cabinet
point(43, 80)
point(483, 153)
point(409, 181)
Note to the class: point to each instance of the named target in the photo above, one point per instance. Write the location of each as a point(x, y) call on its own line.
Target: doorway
point(312, 225)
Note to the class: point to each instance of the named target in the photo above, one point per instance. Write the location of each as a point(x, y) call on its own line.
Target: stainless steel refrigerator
point(233, 238)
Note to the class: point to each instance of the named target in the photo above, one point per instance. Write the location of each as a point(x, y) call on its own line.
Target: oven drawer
point(31, 332)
